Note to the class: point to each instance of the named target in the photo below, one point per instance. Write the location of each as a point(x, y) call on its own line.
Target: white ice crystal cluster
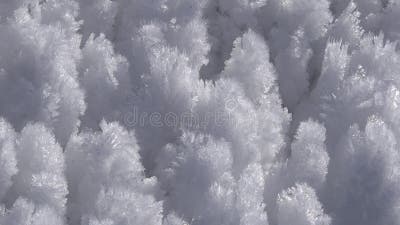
point(199, 112)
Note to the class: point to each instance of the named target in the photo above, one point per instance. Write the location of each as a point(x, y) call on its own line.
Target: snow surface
point(199, 112)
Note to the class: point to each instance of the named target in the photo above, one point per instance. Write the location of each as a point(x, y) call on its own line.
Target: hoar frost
point(200, 112)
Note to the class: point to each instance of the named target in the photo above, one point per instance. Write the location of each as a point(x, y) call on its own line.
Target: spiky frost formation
point(38, 194)
point(221, 112)
point(300, 205)
point(107, 180)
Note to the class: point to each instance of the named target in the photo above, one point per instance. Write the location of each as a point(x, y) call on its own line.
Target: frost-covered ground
point(200, 112)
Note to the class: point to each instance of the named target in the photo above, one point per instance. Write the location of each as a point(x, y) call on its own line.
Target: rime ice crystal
point(220, 112)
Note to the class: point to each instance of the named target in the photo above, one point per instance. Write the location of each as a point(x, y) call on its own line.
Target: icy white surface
point(199, 112)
